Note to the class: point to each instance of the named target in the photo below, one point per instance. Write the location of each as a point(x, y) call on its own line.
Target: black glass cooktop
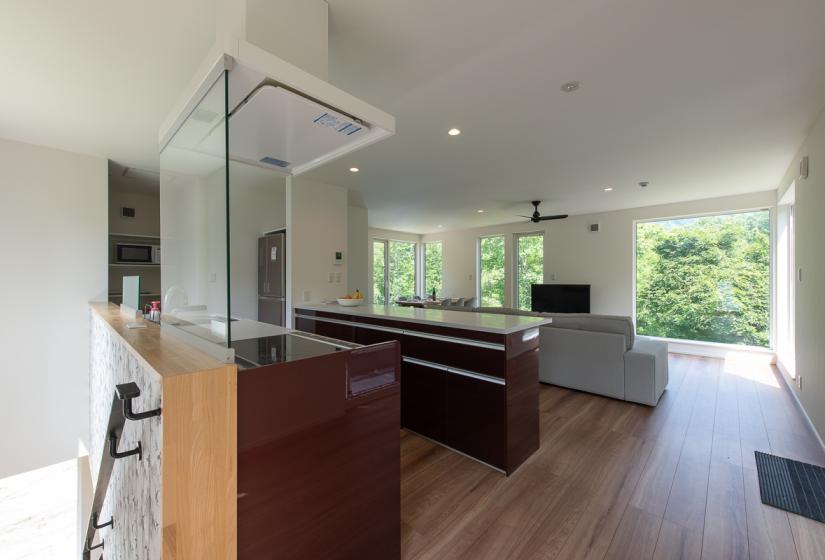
point(281, 348)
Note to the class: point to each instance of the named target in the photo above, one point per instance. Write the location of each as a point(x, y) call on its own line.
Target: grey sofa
point(599, 354)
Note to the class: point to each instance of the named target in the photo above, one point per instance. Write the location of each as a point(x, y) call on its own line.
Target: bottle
point(433, 294)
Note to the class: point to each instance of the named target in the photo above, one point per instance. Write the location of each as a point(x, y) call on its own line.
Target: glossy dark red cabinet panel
point(493, 422)
point(424, 400)
point(318, 469)
point(476, 422)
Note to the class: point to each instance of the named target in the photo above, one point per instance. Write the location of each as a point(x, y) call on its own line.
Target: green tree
point(402, 269)
point(530, 266)
point(378, 272)
point(705, 278)
point(433, 264)
point(491, 253)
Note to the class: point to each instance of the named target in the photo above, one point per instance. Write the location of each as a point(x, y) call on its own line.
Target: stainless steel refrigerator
point(272, 279)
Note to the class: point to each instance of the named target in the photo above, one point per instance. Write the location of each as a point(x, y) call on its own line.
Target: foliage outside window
point(491, 271)
point(378, 277)
point(705, 278)
point(529, 267)
point(401, 270)
point(433, 264)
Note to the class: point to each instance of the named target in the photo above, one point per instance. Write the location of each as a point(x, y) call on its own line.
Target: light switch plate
point(307, 295)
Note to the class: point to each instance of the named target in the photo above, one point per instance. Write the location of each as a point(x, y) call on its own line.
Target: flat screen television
point(560, 298)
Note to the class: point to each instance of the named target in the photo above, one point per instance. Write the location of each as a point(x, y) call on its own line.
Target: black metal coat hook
point(110, 523)
point(115, 454)
point(90, 547)
point(128, 391)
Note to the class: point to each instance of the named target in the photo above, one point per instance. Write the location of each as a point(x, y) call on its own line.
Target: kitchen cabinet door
point(424, 400)
point(476, 418)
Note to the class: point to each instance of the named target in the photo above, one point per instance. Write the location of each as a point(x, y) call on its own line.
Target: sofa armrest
point(646, 371)
point(585, 360)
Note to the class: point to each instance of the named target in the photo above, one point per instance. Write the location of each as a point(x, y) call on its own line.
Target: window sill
point(717, 349)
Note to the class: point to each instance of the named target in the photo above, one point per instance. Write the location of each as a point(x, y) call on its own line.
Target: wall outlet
point(213, 277)
point(337, 277)
point(307, 295)
point(799, 382)
point(552, 277)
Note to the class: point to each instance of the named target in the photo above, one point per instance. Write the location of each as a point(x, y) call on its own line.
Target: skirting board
point(787, 379)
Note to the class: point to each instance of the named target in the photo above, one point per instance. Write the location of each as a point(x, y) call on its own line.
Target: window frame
point(771, 273)
point(385, 242)
point(516, 255)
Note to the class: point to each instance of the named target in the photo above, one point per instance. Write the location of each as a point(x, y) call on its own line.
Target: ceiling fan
point(537, 217)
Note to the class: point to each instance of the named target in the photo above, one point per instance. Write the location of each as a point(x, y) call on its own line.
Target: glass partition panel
point(194, 224)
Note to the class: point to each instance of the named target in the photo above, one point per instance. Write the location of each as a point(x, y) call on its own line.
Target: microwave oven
point(133, 253)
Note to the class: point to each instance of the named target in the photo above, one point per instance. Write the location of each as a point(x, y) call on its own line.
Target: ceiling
point(98, 76)
point(701, 98)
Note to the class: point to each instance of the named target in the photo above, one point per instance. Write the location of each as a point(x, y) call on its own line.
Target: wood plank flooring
point(623, 481)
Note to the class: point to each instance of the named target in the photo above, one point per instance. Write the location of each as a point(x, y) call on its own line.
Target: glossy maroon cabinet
point(476, 422)
point(474, 391)
point(424, 400)
point(319, 457)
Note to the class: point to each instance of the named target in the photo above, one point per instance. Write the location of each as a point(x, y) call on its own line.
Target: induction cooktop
point(256, 352)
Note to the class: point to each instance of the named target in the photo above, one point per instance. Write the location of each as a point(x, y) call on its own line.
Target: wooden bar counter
point(468, 381)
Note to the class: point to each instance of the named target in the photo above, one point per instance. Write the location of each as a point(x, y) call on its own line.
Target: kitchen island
point(468, 380)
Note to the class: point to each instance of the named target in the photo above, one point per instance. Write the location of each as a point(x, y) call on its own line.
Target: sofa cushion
point(616, 324)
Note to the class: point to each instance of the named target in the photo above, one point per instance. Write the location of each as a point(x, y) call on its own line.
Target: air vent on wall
point(594, 228)
point(127, 212)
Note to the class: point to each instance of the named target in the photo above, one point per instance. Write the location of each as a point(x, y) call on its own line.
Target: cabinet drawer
point(476, 418)
point(366, 335)
point(324, 328)
point(479, 357)
point(424, 400)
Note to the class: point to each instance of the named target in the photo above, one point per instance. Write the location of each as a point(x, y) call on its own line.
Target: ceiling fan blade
point(523, 216)
point(556, 217)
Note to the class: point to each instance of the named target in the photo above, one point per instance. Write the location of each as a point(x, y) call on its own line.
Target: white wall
point(572, 254)
point(53, 215)
point(317, 216)
point(147, 212)
point(810, 258)
point(357, 255)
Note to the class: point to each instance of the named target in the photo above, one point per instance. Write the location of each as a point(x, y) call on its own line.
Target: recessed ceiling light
point(354, 169)
point(480, 211)
point(608, 189)
point(453, 132)
point(439, 225)
point(569, 87)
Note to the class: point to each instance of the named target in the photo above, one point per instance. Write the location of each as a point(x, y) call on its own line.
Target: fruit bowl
point(350, 302)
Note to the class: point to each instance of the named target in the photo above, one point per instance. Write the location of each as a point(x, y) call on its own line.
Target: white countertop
point(486, 322)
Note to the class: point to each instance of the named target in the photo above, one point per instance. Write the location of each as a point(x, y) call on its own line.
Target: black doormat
point(792, 485)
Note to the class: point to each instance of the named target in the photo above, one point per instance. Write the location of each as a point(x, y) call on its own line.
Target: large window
point(529, 266)
point(705, 278)
point(491, 271)
point(433, 265)
point(393, 270)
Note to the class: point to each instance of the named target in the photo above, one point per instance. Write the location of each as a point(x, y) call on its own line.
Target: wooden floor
point(617, 480)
